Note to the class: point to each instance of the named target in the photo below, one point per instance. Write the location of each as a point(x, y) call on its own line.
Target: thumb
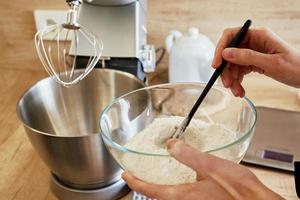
point(248, 57)
point(204, 164)
point(229, 175)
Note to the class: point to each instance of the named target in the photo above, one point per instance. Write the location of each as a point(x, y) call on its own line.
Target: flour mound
point(166, 170)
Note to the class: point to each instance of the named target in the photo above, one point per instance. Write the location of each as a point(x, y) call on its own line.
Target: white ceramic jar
point(190, 56)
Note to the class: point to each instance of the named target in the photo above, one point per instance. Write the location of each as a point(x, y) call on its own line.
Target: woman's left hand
point(216, 179)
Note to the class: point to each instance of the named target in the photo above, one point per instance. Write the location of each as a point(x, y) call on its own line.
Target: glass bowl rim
point(127, 150)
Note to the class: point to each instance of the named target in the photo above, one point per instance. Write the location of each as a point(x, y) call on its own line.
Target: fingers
point(226, 173)
point(223, 177)
point(237, 89)
point(232, 78)
point(258, 70)
point(242, 61)
point(227, 77)
point(204, 189)
point(148, 189)
point(237, 75)
point(240, 57)
point(222, 44)
point(204, 164)
point(208, 167)
point(247, 57)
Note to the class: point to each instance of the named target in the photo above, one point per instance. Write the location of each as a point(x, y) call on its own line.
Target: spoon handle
point(236, 41)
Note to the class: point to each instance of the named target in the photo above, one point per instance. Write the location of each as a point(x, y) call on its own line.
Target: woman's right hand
point(261, 51)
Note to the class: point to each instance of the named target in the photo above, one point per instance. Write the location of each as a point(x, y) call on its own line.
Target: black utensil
point(236, 41)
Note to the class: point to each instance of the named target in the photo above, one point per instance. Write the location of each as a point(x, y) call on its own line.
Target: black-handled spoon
point(236, 41)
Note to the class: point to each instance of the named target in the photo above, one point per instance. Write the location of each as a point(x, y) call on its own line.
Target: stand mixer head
point(59, 55)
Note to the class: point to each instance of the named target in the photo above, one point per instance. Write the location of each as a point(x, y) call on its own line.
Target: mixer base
point(110, 192)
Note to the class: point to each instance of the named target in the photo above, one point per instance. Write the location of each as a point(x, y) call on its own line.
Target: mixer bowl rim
point(115, 145)
point(27, 91)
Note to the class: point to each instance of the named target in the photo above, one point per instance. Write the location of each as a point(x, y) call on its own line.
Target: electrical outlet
point(44, 18)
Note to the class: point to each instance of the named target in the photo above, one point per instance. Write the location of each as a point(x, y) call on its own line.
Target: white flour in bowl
point(165, 169)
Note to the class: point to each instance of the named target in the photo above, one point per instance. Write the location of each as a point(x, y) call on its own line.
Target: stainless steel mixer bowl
point(62, 125)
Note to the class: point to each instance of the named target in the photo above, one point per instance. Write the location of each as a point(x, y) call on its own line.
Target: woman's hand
point(217, 179)
point(261, 51)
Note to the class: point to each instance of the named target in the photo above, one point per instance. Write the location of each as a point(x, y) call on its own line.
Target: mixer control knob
point(148, 58)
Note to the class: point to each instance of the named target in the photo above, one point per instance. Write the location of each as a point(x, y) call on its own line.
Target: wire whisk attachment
point(58, 48)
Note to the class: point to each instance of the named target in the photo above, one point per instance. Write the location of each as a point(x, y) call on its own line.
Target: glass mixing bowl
point(126, 116)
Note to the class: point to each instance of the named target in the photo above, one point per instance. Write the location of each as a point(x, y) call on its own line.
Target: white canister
point(190, 56)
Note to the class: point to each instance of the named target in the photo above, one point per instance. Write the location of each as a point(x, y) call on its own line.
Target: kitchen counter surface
point(23, 176)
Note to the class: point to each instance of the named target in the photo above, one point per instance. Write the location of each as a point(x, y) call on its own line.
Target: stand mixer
point(61, 122)
point(122, 27)
point(120, 24)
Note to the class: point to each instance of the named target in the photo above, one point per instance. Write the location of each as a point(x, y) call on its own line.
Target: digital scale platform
point(276, 141)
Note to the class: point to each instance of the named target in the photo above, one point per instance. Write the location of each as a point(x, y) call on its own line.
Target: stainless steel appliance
point(62, 122)
point(122, 27)
point(57, 46)
point(62, 125)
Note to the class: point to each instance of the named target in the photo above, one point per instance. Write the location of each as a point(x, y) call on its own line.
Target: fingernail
point(172, 145)
point(225, 83)
point(229, 53)
point(243, 94)
point(213, 64)
point(233, 91)
point(236, 92)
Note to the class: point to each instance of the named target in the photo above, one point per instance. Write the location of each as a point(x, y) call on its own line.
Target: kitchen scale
point(276, 139)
